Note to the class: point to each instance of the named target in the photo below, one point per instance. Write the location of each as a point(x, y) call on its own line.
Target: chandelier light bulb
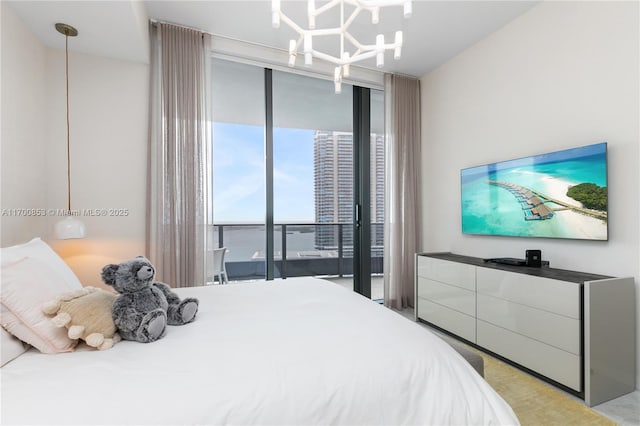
point(308, 49)
point(380, 50)
point(380, 43)
point(397, 51)
point(275, 13)
point(292, 53)
point(375, 15)
point(337, 80)
point(408, 9)
point(308, 43)
point(345, 68)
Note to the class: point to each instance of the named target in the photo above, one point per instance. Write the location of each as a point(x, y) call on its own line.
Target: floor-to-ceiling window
point(311, 160)
point(239, 167)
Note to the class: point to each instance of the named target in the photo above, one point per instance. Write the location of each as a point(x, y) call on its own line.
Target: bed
point(296, 351)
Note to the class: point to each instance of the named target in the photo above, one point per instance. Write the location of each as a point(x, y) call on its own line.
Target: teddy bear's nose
point(145, 272)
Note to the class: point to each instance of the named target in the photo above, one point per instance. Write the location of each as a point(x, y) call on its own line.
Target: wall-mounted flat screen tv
point(560, 194)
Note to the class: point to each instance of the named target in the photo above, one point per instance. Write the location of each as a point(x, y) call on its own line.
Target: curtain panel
point(403, 223)
point(179, 173)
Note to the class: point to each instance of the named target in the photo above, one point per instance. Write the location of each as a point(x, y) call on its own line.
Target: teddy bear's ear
point(109, 274)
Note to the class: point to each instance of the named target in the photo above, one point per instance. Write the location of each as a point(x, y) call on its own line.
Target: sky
point(550, 157)
point(239, 177)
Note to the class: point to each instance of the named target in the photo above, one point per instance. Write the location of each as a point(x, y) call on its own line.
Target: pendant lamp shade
point(69, 227)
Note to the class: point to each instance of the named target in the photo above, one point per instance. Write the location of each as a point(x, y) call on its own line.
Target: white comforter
point(298, 351)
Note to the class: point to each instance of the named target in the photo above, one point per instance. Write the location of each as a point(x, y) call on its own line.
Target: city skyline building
point(333, 189)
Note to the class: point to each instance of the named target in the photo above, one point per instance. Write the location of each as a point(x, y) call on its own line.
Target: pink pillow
point(26, 285)
point(38, 249)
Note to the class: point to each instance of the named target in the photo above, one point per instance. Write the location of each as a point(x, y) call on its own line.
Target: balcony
point(300, 250)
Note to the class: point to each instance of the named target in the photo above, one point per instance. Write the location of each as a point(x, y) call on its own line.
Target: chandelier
point(362, 51)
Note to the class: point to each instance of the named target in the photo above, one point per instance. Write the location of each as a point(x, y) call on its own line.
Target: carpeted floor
point(534, 402)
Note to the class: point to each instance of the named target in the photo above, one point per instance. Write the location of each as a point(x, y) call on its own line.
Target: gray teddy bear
point(144, 308)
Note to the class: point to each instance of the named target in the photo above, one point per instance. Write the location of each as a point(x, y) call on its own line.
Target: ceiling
point(436, 32)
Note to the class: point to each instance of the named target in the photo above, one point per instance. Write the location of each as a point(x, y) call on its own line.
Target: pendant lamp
point(70, 227)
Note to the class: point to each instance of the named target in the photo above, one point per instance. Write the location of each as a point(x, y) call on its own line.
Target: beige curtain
point(179, 154)
point(402, 227)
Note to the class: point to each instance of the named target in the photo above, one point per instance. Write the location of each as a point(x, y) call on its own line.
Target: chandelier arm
point(302, 31)
point(363, 55)
point(351, 18)
point(329, 58)
point(367, 47)
point(356, 43)
point(323, 32)
point(291, 24)
point(324, 8)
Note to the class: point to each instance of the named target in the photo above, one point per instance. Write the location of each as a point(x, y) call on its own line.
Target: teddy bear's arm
point(161, 296)
point(125, 316)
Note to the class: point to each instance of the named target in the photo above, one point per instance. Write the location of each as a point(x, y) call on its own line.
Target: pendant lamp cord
point(66, 49)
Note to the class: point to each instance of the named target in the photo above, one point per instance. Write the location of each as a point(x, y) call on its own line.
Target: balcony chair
point(216, 266)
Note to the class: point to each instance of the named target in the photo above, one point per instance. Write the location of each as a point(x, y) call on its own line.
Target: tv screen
point(560, 194)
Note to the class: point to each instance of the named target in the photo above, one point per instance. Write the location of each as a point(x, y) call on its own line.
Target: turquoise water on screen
point(490, 209)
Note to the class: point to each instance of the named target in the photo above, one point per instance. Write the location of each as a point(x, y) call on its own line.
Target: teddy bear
point(144, 308)
point(87, 315)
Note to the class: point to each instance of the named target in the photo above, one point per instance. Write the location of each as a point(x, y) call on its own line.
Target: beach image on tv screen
point(561, 194)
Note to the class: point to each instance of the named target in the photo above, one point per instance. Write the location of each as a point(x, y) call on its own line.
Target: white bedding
point(298, 351)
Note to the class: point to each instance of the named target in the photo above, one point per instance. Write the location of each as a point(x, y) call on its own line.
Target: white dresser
point(573, 328)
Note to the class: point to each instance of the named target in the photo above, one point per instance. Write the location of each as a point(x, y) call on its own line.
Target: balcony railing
point(300, 249)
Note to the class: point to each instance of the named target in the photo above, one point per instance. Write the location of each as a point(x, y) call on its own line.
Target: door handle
point(358, 214)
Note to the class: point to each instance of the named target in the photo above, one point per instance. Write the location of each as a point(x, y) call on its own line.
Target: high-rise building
point(333, 175)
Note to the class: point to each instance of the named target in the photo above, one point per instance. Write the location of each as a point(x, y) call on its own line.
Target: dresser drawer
point(453, 273)
point(451, 320)
point(559, 297)
point(556, 364)
point(555, 330)
point(453, 297)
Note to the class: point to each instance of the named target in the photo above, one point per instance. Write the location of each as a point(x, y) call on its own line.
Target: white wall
point(23, 143)
point(562, 75)
point(108, 115)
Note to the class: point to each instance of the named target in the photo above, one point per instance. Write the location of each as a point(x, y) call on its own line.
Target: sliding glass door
point(313, 177)
point(319, 197)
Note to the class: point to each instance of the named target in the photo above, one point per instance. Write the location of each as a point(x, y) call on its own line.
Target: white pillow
point(26, 285)
point(38, 249)
point(10, 347)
